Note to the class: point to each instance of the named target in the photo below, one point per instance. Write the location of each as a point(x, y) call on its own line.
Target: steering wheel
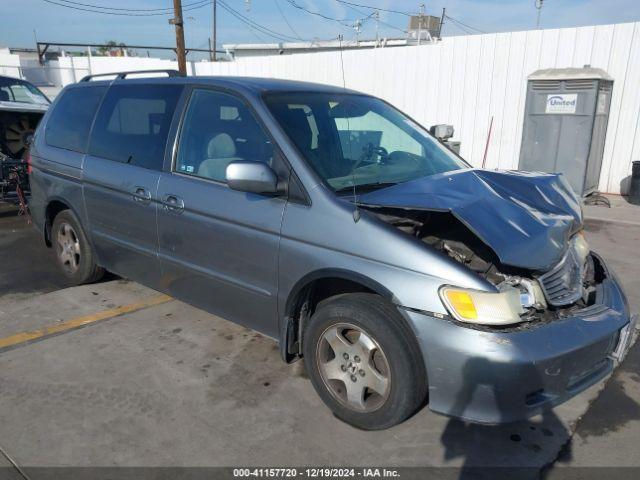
point(383, 154)
point(369, 151)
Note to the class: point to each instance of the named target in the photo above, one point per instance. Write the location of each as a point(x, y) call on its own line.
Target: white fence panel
point(627, 112)
point(617, 68)
point(466, 127)
point(10, 65)
point(482, 113)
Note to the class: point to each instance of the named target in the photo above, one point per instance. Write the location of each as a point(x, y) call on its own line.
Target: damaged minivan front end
point(510, 309)
point(553, 319)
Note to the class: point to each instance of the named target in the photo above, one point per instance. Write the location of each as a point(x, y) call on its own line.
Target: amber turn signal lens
point(485, 308)
point(462, 303)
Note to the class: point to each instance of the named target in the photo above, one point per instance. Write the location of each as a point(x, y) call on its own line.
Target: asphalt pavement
point(115, 374)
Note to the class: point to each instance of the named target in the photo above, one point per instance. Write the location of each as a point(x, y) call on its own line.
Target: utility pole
point(538, 4)
point(377, 17)
point(179, 24)
point(357, 26)
point(213, 55)
point(420, 23)
point(441, 23)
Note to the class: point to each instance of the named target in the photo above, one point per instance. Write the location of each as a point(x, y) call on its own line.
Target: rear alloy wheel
point(68, 248)
point(73, 251)
point(364, 361)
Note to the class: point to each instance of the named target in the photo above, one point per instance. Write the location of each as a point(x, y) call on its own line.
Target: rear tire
point(364, 361)
point(74, 253)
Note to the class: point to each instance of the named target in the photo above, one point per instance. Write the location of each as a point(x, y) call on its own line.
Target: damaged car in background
point(335, 224)
point(22, 105)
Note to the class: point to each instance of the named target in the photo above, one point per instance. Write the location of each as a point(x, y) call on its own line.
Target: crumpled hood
point(526, 218)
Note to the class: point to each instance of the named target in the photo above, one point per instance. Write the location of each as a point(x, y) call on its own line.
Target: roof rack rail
point(123, 75)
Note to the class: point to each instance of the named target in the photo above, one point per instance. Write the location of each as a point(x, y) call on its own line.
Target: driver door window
point(219, 129)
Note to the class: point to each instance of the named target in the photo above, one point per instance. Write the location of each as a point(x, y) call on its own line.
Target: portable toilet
point(565, 124)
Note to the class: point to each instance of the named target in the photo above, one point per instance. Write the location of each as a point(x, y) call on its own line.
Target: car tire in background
point(74, 253)
point(364, 361)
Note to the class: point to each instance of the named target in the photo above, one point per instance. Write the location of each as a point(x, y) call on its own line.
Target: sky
point(51, 22)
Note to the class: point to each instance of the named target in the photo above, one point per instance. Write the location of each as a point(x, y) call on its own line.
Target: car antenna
point(356, 211)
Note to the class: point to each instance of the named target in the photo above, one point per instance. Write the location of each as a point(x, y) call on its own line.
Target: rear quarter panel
point(56, 175)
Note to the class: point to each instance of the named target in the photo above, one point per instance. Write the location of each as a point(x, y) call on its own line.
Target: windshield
point(15, 90)
point(356, 139)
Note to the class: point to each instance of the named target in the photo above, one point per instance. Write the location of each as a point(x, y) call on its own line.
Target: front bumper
point(497, 377)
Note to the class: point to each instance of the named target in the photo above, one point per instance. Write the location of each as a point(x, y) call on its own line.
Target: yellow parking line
point(77, 322)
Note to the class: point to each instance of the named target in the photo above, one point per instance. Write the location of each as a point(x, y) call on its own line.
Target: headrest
point(296, 120)
point(4, 96)
point(221, 146)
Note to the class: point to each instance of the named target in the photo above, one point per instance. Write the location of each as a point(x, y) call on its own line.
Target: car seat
point(221, 151)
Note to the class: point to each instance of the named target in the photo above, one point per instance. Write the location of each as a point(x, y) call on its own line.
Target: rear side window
point(133, 123)
point(69, 123)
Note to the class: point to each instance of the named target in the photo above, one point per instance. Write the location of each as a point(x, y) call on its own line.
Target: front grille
point(562, 285)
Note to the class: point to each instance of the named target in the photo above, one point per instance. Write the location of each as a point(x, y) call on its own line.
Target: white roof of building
point(315, 44)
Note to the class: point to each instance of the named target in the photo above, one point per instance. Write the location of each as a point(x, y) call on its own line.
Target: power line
point(92, 8)
point(462, 29)
point(170, 9)
point(462, 24)
point(344, 23)
point(257, 26)
point(254, 25)
point(193, 6)
point(375, 8)
point(349, 5)
point(285, 20)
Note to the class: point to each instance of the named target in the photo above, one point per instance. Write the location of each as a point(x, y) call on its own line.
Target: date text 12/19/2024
point(317, 472)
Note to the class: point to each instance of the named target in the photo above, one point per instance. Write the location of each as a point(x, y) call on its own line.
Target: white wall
point(464, 81)
point(9, 64)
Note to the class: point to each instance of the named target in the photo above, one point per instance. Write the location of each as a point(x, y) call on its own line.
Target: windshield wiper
point(366, 187)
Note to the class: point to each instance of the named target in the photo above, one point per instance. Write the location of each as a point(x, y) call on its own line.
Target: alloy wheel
point(353, 367)
point(68, 248)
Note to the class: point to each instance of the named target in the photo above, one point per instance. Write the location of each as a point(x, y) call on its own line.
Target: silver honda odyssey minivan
point(337, 225)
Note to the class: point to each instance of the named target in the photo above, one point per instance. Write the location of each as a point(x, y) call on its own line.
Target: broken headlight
point(485, 308)
point(581, 246)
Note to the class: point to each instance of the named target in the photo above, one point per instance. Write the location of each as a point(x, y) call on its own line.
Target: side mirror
point(442, 132)
point(253, 177)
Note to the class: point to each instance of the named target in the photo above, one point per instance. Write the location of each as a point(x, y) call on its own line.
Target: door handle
point(141, 195)
point(173, 203)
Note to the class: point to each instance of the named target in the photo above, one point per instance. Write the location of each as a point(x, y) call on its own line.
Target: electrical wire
point(349, 5)
point(344, 23)
point(287, 21)
point(127, 14)
point(374, 8)
point(93, 5)
point(254, 25)
point(464, 25)
point(462, 29)
point(260, 28)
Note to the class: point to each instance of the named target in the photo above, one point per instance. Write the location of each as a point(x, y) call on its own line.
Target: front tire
point(74, 253)
point(364, 361)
